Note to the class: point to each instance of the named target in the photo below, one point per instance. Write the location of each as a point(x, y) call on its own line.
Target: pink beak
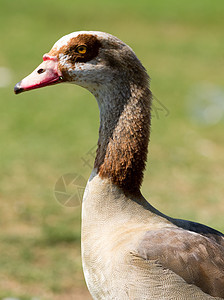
point(47, 73)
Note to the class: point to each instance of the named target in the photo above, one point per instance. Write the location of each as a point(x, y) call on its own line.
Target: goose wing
point(185, 264)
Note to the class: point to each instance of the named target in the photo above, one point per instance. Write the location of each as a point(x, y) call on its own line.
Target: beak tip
point(18, 89)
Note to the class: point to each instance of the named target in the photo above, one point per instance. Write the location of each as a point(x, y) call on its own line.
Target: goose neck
point(123, 134)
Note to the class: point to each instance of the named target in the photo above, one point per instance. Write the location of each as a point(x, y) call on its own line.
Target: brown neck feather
point(124, 134)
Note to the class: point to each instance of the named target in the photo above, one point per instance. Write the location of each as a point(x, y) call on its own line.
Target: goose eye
point(81, 49)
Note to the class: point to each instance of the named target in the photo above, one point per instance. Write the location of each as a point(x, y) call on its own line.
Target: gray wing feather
point(193, 257)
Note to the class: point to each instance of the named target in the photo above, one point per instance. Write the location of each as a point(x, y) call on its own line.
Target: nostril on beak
point(40, 71)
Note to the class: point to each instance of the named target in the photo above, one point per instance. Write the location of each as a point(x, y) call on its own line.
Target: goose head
point(90, 59)
point(110, 70)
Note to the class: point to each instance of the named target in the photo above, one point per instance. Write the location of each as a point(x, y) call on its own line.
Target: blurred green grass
point(46, 133)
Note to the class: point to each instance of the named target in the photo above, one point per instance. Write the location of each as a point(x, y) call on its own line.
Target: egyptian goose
point(130, 250)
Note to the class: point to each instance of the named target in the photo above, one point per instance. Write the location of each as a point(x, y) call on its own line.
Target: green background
point(49, 132)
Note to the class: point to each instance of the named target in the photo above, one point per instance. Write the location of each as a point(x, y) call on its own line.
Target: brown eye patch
point(82, 48)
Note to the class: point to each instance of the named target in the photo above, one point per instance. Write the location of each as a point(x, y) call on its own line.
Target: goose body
point(130, 250)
